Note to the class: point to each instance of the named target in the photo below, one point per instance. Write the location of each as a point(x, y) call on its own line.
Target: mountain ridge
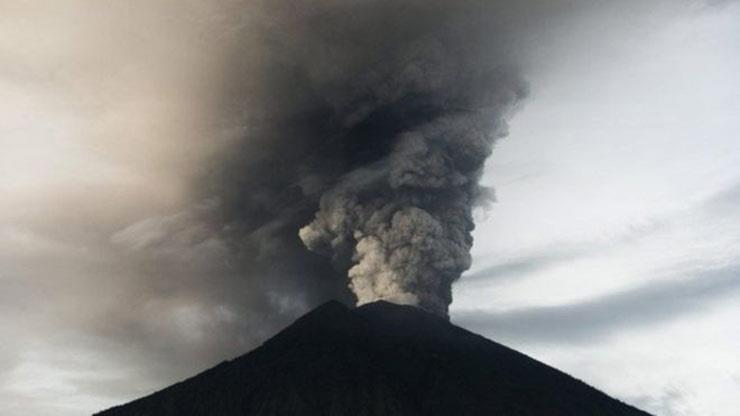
point(377, 359)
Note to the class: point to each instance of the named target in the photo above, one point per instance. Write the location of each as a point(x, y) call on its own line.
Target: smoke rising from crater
point(402, 223)
point(366, 126)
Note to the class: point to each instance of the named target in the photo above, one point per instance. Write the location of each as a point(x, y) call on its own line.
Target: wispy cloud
point(544, 258)
point(593, 319)
point(672, 401)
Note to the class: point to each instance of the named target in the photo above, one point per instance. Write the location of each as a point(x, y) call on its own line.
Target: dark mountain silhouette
point(379, 359)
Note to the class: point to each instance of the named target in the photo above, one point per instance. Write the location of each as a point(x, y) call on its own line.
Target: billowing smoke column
point(367, 127)
point(403, 220)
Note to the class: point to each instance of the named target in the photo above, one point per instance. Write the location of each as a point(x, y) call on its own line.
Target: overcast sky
point(612, 251)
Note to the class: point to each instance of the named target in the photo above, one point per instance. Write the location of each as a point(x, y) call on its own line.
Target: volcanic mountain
point(378, 359)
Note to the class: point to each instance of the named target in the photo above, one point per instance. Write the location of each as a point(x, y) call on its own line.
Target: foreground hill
point(379, 359)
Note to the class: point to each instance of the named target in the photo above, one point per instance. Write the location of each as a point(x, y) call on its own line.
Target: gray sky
point(612, 251)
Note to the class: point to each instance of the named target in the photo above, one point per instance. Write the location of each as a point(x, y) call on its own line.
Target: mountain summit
point(378, 359)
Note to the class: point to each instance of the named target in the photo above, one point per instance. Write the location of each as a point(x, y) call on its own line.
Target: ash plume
point(402, 223)
point(367, 125)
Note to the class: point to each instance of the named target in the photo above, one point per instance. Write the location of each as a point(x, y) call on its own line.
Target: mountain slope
point(379, 359)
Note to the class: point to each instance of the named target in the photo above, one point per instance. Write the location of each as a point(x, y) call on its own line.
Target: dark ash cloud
point(370, 142)
point(202, 137)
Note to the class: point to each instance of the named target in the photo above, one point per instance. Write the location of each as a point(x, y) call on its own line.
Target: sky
point(611, 250)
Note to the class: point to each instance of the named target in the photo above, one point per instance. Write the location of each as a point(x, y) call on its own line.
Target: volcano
point(378, 359)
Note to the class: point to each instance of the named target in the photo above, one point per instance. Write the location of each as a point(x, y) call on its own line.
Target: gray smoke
point(367, 128)
point(403, 222)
